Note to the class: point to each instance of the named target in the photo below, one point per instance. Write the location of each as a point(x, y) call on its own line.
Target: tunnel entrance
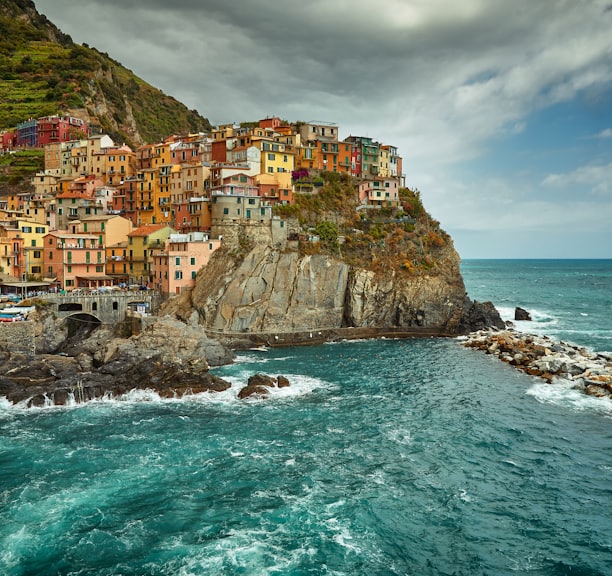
point(81, 325)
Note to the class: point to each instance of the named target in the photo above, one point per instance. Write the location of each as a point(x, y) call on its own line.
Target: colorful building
point(383, 192)
point(143, 243)
point(176, 268)
point(75, 260)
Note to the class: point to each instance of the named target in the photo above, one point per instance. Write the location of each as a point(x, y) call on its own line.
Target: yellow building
point(117, 262)
point(384, 170)
point(143, 244)
point(276, 157)
point(33, 234)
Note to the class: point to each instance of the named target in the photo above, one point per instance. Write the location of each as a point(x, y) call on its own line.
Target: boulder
point(260, 384)
point(479, 316)
point(521, 314)
point(253, 390)
point(262, 380)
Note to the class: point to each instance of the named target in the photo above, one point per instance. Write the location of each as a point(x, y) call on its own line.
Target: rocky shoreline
point(543, 357)
point(169, 356)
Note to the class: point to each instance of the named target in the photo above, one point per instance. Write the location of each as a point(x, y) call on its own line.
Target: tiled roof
point(147, 230)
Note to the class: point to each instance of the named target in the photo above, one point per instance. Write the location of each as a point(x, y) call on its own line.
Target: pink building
point(384, 192)
point(175, 269)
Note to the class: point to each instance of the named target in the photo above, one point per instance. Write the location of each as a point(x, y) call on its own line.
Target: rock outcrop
point(271, 290)
point(169, 357)
point(521, 314)
point(259, 385)
point(545, 358)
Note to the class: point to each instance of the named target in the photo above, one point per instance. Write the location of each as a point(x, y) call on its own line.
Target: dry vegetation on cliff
point(405, 238)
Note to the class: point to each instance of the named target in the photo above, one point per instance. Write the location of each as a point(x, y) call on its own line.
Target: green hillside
point(43, 72)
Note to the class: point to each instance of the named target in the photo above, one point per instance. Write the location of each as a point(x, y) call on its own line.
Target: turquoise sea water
point(383, 457)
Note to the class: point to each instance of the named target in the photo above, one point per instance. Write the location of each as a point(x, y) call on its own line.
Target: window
point(36, 254)
point(69, 269)
point(192, 261)
point(177, 261)
point(271, 169)
point(271, 156)
point(99, 268)
point(50, 269)
point(193, 275)
point(178, 275)
point(26, 229)
point(33, 242)
point(225, 211)
point(40, 230)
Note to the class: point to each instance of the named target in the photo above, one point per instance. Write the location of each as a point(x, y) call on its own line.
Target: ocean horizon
point(383, 457)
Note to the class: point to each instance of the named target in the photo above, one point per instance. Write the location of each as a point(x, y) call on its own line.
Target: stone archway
point(81, 324)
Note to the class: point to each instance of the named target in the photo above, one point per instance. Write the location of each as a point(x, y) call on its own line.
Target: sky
point(501, 111)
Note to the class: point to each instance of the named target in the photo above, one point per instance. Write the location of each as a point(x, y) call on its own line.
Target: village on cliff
point(101, 215)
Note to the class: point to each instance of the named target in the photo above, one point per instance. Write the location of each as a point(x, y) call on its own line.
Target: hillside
point(43, 72)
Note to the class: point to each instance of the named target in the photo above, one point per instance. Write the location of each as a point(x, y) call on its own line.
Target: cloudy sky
point(501, 110)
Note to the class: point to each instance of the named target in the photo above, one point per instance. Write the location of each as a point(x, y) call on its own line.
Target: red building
point(59, 129)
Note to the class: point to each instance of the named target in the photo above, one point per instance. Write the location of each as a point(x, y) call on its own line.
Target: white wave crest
point(563, 393)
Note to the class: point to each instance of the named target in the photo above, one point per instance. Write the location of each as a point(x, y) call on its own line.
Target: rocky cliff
point(272, 289)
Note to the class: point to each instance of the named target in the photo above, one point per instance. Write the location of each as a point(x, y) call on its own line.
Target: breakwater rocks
point(546, 358)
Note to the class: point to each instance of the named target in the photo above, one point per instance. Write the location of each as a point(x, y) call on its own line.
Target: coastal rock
point(542, 357)
point(268, 291)
point(479, 316)
point(521, 314)
point(258, 391)
point(169, 357)
point(260, 385)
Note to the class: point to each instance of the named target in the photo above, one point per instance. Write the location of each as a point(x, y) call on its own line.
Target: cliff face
point(279, 290)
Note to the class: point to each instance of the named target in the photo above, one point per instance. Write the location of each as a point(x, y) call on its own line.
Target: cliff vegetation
point(405, 238)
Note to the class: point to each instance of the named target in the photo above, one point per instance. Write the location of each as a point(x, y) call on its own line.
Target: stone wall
point(18, 337)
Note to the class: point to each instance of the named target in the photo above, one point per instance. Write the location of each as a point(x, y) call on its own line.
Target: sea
point(383, 457)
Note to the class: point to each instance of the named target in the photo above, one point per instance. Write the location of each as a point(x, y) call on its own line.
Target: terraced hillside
point(43, 72)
